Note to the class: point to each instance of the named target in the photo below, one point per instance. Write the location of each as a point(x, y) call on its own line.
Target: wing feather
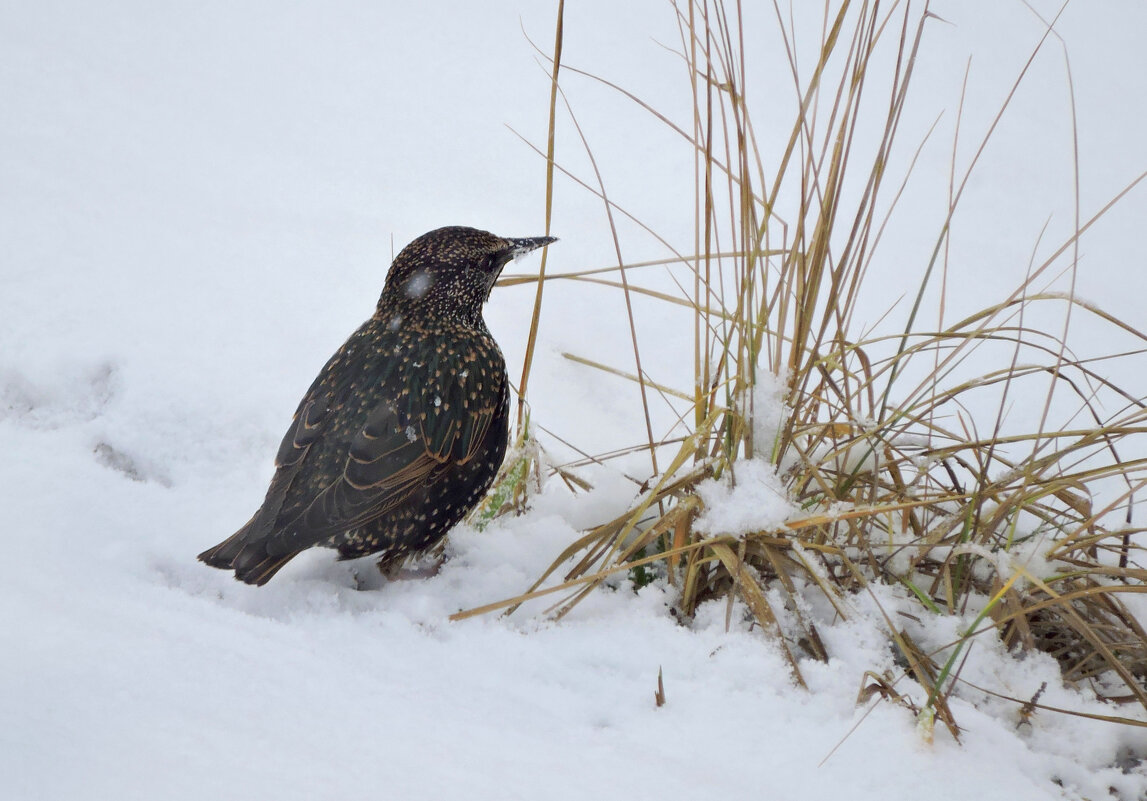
point(404, 444)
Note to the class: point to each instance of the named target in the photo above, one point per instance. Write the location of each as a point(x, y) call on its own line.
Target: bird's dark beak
point(520, 247)
point(517, 249)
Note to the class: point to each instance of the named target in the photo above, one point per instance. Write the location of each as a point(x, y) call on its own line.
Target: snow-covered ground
point(198, 202)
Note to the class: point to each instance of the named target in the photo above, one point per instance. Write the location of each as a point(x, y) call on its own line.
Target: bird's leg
point(425, 564)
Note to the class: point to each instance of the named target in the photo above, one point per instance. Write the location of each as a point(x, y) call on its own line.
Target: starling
point(405, 427)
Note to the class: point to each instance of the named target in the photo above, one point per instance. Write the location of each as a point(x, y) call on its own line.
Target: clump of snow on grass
point(1031, 555)
point(748, 497)
point(769, 412)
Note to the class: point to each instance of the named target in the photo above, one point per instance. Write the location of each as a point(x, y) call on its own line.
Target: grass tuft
point(895, 473)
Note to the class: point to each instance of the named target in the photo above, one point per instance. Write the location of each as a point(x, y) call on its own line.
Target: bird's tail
point(247, 556)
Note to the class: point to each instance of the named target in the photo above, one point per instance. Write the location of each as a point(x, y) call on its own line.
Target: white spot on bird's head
point(395, 322)
point(418, 285)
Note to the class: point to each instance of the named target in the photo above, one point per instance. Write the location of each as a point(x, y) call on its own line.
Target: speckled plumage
point(405, 427)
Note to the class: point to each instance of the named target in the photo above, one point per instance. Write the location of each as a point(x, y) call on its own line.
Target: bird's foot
point(423, 567)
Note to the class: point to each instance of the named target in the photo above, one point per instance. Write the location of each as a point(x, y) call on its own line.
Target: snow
point(418, 285)
point(750, 498)
point(198, 205)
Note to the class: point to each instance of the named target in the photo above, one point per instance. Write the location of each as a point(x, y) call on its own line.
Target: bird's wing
point(454, 415)
point(305, 430)
point(393, 456)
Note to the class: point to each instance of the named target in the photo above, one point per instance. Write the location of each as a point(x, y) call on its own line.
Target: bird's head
point(449, 272)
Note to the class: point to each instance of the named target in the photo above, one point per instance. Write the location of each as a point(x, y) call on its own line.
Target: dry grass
point(897, 481)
